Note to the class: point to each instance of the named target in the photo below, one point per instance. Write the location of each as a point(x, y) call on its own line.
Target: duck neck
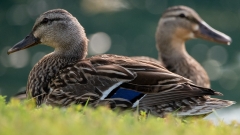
point(49, 66)
point(78, 51)
point(74, 46)
point(173, 54)
point(171, 49)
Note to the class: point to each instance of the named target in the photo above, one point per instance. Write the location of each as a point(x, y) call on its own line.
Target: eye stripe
point(177, 10)
point(51, 20)
point(187, 18)
point(43, 23)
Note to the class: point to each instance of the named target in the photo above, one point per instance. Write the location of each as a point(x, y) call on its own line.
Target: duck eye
point(182, 15)
point(45, 20)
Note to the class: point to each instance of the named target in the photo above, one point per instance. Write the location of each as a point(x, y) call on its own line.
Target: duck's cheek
point(46, 41)
point(195, 27)
point(190, 35)
point(184, 34)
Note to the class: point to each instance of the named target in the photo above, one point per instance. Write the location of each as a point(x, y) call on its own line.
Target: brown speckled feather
point(97, 74)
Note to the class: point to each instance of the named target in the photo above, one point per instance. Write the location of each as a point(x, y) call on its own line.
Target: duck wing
point(118, 79)
point(145, 58)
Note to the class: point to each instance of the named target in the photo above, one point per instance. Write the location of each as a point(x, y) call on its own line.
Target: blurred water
point(226, 115)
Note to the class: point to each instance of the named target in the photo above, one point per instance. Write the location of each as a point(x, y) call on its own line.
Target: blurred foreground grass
point(23, 118)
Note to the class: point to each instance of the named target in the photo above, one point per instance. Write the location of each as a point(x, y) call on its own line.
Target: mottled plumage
point(66, 77)
point(177, 25)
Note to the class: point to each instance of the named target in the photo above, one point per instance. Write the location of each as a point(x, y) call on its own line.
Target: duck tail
point(204, 108)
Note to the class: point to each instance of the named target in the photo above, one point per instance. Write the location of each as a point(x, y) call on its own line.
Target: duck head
point(182, 23)
point(58, 29)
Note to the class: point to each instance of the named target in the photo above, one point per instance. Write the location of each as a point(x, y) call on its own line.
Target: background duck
point(177, 25)
point(66, 77)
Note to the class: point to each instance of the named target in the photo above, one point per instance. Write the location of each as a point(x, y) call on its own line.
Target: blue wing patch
point(124, 93)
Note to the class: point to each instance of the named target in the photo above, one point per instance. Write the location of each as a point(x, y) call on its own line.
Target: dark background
point(128, 28)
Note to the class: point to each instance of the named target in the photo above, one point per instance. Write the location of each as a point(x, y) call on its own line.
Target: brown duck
point(66, 77)
point(177, 25)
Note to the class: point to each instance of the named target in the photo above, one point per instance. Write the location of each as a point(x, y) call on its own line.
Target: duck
point(65, 76)
point(177, 25)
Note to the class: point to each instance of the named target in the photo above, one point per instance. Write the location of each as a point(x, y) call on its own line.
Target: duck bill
point(27, 42)
point(208, 33)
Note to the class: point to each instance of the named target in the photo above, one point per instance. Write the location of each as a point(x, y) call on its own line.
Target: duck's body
point(66, 77)
point(177, 25)
point(185, 66)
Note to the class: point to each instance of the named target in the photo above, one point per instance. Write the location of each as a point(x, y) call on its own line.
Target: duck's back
point(189, 68)
point(186, 67)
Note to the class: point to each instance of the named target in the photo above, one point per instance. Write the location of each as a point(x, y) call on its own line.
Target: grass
point(24, 118)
